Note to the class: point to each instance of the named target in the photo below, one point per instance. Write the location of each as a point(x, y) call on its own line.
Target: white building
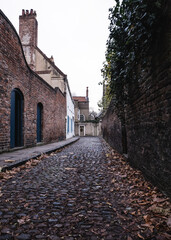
point(69, 113)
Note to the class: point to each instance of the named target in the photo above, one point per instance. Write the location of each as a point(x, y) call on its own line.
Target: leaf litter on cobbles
point(150, 209)
point(138, 209)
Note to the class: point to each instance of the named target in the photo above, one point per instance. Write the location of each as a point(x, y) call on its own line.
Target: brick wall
point(112, 128)
point(148, 116)
point(15, 73)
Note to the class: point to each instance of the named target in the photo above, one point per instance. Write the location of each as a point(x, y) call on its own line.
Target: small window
point(82, 118)
point(68, 124)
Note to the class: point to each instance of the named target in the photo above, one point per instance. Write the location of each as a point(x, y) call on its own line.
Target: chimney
point(51, 59)
point(28, 28)
point(87, 93)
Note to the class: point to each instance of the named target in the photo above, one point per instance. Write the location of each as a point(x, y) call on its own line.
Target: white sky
point(75, 33)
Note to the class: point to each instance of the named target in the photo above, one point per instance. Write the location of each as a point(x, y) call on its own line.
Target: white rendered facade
point(69, 114)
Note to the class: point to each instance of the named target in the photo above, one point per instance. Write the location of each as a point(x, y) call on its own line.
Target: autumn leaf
point(140, 236)
point(9, 160)
point(146, 218)
point(169, 221)
point(23, 220)
point(129, 238)
point(159, 200)
point(149, 225)
point(70, 169)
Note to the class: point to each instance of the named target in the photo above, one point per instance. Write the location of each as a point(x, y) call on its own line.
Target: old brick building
point(45, 67)
point(31, 110)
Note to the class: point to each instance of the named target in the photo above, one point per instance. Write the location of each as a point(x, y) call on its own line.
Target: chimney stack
point(28, 29)
point(87, 93)
point(28, 13)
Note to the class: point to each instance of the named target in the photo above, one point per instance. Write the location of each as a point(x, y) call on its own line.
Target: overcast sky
point(75, 33)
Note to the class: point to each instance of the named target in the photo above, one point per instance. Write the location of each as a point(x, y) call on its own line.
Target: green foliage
point(134, 24)
point(105, 101)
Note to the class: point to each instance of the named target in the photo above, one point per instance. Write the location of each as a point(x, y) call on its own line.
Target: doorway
point(16, 128)
point(82, 131)
point(39, 122)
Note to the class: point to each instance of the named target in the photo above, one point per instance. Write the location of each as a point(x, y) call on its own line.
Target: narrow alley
point(79, 193)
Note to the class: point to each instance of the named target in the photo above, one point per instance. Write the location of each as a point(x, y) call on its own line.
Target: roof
point(80, 99)
point(51, 62)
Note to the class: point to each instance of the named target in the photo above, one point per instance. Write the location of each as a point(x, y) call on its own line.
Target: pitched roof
point(51, 62)
point(80, 99)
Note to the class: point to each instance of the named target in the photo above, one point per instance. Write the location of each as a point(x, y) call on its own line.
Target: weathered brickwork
point(112, 129)
point(148, 116)
point(15, 73)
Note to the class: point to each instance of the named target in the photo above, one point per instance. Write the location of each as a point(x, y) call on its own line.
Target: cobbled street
point(67, 195)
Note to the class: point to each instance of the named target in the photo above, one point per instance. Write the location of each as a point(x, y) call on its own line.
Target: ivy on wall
point(134, 25)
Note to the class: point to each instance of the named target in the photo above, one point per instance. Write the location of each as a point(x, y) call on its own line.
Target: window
point(67, 124)
point(82, 118)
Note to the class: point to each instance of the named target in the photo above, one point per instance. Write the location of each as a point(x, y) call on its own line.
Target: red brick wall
point(15, 73)
point(148, 116)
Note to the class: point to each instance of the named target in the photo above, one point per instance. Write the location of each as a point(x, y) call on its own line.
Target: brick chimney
point(87, 93)
point(28, 29)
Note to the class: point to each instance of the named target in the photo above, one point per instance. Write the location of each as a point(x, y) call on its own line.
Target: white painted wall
point(70, 121)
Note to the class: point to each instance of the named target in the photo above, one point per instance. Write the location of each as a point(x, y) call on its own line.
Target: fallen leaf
point(161, 210)
point(23, 220)
point(9, 160)
point(70, 168)
point(140, 236)
point(167, 236)
point(169, 221)
point(146, 218)
point(159, 200)
point(148, 225)
point(129, 238)
point(113, 180)
point(1, 175)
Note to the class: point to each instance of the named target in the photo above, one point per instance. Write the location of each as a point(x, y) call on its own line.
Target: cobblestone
point(66, 196)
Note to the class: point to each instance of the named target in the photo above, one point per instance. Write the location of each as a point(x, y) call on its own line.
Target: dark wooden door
point(16, 118)
point(39, 122)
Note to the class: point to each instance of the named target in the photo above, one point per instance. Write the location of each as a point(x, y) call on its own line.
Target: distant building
point(45, 67)
point(85, 123)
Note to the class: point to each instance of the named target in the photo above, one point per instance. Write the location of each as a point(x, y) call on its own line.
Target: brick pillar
point(28, 28)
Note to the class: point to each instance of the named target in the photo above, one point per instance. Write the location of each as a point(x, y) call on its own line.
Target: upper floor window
point(82, 118)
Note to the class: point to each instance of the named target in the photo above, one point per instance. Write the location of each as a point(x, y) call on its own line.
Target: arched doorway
point(82, 131)
point(16, 131)
point(39, 122)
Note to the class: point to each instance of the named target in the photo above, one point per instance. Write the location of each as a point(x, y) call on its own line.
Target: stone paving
point(8, 160)
point(66, 196)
